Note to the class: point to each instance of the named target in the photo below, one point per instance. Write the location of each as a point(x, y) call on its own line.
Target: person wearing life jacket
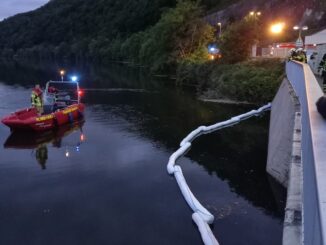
point(322, 67)
point(36, 98)
point(292, 54)
point(300, 55)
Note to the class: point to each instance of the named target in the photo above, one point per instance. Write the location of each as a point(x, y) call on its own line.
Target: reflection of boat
point(32, 140)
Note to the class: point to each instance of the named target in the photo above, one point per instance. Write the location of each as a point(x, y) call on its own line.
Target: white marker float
point(201, 216)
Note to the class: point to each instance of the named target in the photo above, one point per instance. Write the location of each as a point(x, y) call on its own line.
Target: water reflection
point(235, 154)
point(25, 74)
point(41, 155)
point(134, 123)
point(38, 141)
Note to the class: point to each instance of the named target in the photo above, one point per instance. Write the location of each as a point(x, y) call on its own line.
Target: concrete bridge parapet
point(297, 155)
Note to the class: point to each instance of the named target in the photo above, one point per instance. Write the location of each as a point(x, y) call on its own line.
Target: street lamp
point(62, 73)
point(254, 17)
point(220, 25)
point(277, 28)
point(255, 14)
point(299, 42)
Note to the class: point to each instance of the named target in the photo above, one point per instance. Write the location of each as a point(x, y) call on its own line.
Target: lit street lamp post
point(277, 28)
point(299, 42)
point(220, 25)
point(62, 73)
point(255, 15)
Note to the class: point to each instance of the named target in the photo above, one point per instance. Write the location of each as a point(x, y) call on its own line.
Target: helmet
point(292, 51)
point(300, 51)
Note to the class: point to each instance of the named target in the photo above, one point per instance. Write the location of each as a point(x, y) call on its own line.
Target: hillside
point(101, 30)
point(62, 21)
point(104, 29)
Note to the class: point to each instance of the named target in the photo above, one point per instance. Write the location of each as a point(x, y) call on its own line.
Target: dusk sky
point(12, 7)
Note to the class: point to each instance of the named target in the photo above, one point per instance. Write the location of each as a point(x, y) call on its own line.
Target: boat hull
point(29, 120)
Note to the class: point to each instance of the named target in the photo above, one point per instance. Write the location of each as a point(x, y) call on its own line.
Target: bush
point(252, 81)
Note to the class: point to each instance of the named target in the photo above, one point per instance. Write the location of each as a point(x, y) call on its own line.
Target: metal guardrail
point(313, 153)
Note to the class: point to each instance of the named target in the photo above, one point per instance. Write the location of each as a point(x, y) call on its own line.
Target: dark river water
point(105, 181)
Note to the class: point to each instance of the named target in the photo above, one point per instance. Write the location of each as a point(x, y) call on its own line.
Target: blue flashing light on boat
point(74, 78)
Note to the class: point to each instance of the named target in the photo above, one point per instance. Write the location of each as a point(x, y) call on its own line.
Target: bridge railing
point(313, 153)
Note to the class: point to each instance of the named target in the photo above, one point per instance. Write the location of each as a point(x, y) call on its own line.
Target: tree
point(237, 40)
point(180, 35)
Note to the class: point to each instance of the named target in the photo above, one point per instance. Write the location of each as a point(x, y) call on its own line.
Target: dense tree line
point(158, 33)
point(75, 27)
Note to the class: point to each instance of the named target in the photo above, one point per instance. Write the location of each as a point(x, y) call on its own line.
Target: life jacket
point(36, 97)
point(300, 57)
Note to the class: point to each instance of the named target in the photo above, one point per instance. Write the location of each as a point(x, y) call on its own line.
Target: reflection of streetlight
point(220, 25)
point(300, 28)
point(82, 137)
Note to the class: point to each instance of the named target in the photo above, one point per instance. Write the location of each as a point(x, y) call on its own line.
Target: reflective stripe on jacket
point(36, 99)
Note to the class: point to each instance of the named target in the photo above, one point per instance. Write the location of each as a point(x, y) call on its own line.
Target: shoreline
point(225, 101)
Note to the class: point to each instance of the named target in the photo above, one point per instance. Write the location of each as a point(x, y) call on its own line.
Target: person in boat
point(36, 98)
point(54, 91)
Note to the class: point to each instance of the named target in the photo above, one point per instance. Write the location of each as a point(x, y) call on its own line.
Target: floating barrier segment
point(201, 216)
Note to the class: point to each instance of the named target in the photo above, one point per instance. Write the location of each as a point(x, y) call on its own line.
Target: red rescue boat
point(29, 119)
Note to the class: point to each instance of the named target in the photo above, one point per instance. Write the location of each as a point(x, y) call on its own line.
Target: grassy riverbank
point(254, 81)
